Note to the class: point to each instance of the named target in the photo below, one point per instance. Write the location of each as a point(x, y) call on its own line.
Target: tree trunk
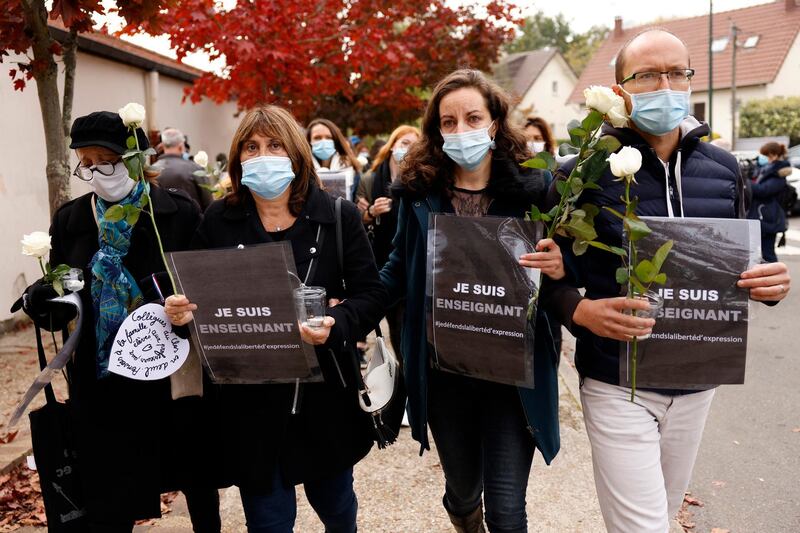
point(46, 75)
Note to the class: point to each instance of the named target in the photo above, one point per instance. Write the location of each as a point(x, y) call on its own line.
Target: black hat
point(104, 128)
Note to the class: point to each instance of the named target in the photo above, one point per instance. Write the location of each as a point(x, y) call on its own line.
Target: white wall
point(100, 84)
point(552, 105)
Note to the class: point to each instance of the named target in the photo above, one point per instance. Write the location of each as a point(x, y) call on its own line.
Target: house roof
point(517, 72)
point(116, 49)
point(776, 25)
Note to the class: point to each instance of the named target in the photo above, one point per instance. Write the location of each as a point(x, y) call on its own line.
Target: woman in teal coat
point(485, 432)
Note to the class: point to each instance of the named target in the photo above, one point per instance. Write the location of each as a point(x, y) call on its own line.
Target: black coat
point(134, 441)
point(329, 432)
point(383, 228)
point(766, 192)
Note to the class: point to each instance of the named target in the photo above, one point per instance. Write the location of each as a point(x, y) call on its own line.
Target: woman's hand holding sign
point(768, 282)
point(607, 317)
point(547, 258)
point(179, 309)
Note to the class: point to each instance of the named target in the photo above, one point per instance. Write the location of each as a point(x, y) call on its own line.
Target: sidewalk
point(398, 491)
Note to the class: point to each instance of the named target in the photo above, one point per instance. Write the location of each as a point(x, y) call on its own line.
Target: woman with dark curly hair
point(467, 162)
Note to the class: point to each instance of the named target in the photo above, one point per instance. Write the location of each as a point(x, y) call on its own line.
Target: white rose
point(201, 158)
point(626, 162)
point(618, 115)
point(36, 244)
point(601, 98)
point(132, 115)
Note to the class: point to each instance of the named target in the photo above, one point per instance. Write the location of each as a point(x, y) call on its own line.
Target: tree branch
point(70, 52)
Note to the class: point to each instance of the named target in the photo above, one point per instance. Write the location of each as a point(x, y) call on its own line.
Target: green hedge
point(771, 117)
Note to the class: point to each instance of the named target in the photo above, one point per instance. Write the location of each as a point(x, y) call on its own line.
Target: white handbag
point(379, 379)
point(376, 390)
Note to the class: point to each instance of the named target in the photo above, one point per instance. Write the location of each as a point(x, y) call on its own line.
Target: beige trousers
point(643, 452)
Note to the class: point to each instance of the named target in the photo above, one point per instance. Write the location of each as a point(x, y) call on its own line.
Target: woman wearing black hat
point(135, 439)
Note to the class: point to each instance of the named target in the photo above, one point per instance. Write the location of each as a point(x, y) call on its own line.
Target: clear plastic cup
point(655, 301)
point(310, 305)
point(73, 280)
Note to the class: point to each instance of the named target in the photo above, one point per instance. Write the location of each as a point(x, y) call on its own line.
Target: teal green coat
point(404, 276)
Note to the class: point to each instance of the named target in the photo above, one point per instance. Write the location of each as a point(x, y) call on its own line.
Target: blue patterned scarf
point(114, 291)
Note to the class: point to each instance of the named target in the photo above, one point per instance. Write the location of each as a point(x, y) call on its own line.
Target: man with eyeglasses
point(644, 451)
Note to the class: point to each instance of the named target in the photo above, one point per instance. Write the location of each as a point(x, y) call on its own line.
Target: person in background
point(332, 153)
point(177, 172)
point(767, 188)
point(282, 435)
point(468, 163)
point(362, 153)
point(539, 135)
point(379, 212)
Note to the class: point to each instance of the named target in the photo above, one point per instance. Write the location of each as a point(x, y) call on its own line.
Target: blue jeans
point(484, 445)
point(332, 498)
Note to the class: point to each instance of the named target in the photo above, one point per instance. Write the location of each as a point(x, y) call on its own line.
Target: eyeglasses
point(678, 78)
point(84, 173)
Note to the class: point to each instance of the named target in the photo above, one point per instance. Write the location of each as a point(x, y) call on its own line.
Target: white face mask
point(114, 187)
point(536, 146)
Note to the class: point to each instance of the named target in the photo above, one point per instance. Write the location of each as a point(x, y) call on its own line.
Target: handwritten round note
point(145, 347)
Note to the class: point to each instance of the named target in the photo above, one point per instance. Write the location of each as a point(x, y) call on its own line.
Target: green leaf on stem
point(640, 289)
point(616, 250)
point(59, 288)
point(576, 136)
point(130, 142)
point(622, 275)
point(614, 212)
point(595, 164)
point(115, 213)
point(576, 185)
point(132, 214)
point(592, 121)
point(561, 187)
point(645, 271)
point(134, 167)
point(660, 279)
point(591, 185)
point(581, 230)
point(536, 162)
point(544, 217)
point(579, 247)
point(636, 228)
point(661, 254)
point(607, 143)
point(549, 159)
point(591, 210)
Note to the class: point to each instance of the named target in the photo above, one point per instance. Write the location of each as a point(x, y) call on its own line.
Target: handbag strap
point(48, 389)
point(340, 241)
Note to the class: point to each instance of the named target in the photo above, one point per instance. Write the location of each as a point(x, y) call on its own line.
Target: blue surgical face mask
point(185, 155)
point(762, 160)
point(468, 148)
point(267, 176)
point(399, 153)
point(659, 112)
point(324, 149)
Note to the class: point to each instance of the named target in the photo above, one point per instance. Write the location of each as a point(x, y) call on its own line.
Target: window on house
point(718, 45)
point(751, 41)
point(555, 87)
point(699, 111)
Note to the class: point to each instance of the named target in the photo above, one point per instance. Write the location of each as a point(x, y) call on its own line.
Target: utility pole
point(710, 116)
point(734, 35)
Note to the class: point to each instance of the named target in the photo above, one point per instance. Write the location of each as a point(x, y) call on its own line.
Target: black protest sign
point(479, 296)
point(700, 336)
point(335, 183)
point(245, 326)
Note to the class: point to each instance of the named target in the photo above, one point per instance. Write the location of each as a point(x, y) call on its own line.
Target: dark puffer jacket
point(766, 191)
point(703, 181)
